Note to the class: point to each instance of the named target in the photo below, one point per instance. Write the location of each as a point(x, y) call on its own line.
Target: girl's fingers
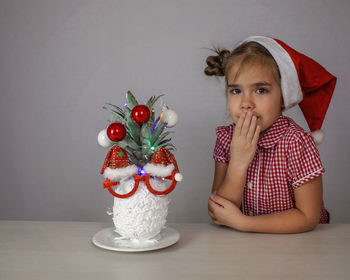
point(210, 210)
point(252, 129)
point(246, 124)
point(210, 206)
point(216, 222)
point(256, 135)
point(240, 123)
point(211, 214)
point(218, 200)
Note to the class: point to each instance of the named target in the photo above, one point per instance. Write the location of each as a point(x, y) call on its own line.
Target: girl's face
point(255, 90)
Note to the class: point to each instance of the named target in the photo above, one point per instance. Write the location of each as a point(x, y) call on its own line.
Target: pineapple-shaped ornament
point(138, 167)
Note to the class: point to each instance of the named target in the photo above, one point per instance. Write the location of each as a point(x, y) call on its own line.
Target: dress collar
point(274, 134)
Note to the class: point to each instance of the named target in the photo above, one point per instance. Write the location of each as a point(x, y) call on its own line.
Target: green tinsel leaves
point(162, 137)
point(140, 143)
point(157, 131)
point(131, 100)
point(153, 99)
point(132, 127)
point(116, 112)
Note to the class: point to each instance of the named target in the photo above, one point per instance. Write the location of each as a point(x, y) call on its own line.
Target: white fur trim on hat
point(291, 90)
point(158, 169)
point(119, 173)
point(318, 136)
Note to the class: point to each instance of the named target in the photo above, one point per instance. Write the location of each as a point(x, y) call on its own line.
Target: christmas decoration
point(140, 114)
point(116, 132)
point(138, 167)
point(170, 117)
point(163, 164)
point(103, 140)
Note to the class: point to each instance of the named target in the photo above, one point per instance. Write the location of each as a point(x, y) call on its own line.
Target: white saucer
point(106, 239)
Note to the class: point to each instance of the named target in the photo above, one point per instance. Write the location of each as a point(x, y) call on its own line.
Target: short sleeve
point(304, 163)
point(223, 142)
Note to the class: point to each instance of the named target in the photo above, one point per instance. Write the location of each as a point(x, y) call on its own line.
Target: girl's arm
point(231, 178)
point(232, 184)
point(304, 217)
point(219, 175)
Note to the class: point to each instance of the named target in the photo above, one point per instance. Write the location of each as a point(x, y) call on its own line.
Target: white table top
point(63, 250)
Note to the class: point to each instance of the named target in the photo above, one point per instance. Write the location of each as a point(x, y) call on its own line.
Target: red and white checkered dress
point(286, 158)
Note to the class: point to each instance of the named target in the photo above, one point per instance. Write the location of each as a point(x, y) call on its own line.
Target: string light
point(140, 171)
point(155, 124)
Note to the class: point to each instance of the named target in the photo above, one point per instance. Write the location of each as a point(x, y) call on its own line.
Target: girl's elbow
point(308, 220)
point(312, 222)
point(311, 226)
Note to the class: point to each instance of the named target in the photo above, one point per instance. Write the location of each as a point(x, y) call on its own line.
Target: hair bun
point(216, 64)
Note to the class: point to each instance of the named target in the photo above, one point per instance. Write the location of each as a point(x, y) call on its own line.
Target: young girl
point(268, 172)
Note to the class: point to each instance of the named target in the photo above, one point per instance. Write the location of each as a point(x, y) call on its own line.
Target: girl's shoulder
point(297, 135)
point(225, 131)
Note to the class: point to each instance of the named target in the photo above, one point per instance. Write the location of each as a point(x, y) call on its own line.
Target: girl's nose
point(247, 103)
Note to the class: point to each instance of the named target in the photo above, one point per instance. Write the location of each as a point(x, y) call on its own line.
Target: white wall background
point(61, 60)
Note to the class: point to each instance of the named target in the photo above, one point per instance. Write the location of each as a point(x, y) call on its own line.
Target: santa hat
point(303, 82)
point(117, 165)
point(163, 164)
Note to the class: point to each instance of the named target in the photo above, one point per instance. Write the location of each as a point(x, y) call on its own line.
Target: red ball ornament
point(116, 132)
point(140, 114)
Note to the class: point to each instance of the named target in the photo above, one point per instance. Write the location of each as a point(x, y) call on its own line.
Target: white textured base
point(141, 217)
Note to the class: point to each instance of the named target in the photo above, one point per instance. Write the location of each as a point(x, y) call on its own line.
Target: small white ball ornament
point(178, 177)
point(103, 139)
point(170, 117)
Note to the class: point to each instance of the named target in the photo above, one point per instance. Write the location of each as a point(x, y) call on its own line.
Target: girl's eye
point(235, 91)
point(261, 90)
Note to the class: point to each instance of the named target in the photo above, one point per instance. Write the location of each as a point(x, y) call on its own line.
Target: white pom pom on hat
point(318, 136)
point(303, 82)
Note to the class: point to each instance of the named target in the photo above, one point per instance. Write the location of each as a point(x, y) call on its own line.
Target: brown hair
point(248, 53)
